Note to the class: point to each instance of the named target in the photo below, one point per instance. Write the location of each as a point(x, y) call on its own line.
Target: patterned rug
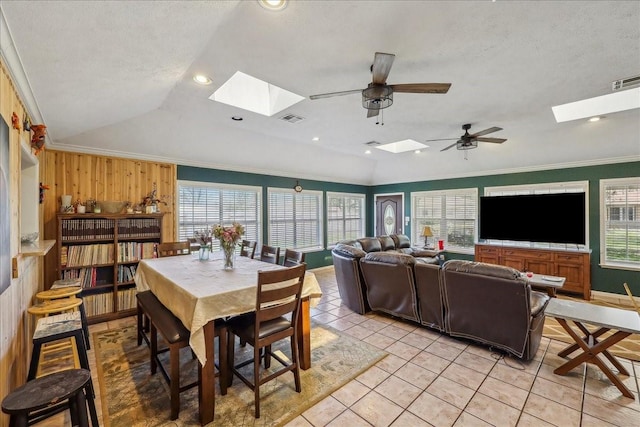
point(628, 348)
point(132, 397)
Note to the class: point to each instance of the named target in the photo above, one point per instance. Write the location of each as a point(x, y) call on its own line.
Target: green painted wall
point(602, 279)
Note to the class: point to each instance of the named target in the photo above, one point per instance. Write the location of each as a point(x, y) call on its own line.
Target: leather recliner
point(346, 263)
point(429, 291)
point(494, 305)
point(390, 284)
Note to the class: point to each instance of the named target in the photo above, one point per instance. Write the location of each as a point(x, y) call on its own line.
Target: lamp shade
point(427, 231)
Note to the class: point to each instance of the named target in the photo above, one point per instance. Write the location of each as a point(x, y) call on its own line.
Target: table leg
point(207, 374)
point(590, 355)
point(304, 334)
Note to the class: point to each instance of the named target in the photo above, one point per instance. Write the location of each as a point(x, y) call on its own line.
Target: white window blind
point(295, 219)
point(451, 214)
point(345, 217)
point(620, 222)
point(202, 205)
point(546, 188)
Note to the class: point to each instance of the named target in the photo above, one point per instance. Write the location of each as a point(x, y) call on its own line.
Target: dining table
point(199, 292)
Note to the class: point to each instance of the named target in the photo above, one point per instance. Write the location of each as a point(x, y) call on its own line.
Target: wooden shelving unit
point(103, 250)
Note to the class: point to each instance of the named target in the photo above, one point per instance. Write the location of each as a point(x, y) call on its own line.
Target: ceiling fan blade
point(496, 140)
point(382, 63)
point(422, 87)
point(452, 145)
point(329, 95)
point(372, 113)
point(486, 131)
point(441, 139)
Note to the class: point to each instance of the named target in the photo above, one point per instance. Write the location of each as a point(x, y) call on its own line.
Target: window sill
point(38, 248)
point(625, 267)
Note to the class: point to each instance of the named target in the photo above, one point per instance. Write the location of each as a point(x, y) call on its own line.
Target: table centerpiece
point(229, 237)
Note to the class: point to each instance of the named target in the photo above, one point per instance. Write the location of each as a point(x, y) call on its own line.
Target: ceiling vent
point(625, 83)
point(292, 118)
point(372, 143)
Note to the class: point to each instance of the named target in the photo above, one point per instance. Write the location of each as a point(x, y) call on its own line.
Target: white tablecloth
point(200, 291)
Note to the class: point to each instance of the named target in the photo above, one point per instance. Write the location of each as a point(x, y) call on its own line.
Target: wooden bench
point(176, 335)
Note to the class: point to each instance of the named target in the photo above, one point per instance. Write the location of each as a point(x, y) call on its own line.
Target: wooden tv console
point(574, 266)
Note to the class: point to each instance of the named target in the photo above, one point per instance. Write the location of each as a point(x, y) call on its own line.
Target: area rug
point(629, 348)
point(132, 397)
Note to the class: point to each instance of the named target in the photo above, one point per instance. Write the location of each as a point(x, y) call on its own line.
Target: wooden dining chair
point(248, 248)
point(270, 254)
point(292, 258)
point(631, 297)
point(275, 319)
point(173, 248)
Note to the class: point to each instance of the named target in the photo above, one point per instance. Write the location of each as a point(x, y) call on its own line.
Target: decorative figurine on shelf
point(43, 187)
point(15, 122)
point(37, 140)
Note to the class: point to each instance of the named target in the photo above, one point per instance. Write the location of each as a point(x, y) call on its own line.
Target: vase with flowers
point(229, 236)
point(203, 238)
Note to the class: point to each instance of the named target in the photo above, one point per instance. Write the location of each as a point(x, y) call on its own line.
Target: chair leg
point(139, 323)
point(231, 342)
point(267, 357)
point(295, 357)
point(223, 369)
point(154, 348)
point(256, 379)
point(174, 361)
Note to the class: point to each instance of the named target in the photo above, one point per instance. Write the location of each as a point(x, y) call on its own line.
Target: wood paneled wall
point(16, 326)
point(86, 176)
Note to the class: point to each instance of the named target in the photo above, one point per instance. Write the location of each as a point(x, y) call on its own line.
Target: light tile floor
point(429, 379)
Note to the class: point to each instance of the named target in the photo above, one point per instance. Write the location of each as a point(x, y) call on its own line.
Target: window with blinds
point(546, 188)
point(345, 217)
point(451, 214)
point(295, 219)
point(620, 222)
point(202, 205)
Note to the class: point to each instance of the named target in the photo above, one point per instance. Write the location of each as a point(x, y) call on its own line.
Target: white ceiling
point(116, 78)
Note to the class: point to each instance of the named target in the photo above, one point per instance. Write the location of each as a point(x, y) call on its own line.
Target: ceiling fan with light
point(470, 141)
point(378, 94)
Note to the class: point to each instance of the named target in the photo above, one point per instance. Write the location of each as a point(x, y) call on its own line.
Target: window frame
point(418, 222)
point(605, 184)
point(362, 219)
point(221, 187)
point(320, 220)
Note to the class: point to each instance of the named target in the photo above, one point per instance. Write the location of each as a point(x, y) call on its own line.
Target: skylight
point(249, 93)
point(402, 146)
point(598, 106)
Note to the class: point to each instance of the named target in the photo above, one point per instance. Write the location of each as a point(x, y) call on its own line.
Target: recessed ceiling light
point(315, 138)
point(202, 79)
point(237, 118)
point(275, 5)
point(367, 152)
point(595, 119)
point(417, 151)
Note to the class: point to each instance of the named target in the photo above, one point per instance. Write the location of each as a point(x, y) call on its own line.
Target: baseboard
point(612, 298)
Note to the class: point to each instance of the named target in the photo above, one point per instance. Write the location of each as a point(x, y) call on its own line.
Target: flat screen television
point(546, 218)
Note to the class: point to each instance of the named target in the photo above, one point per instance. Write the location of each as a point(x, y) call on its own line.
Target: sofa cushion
point(481, 268)
point(370, 244)
point(390, 258)
point(351, 242)
point(401, 241)
point(348, 251)
point(386, 243)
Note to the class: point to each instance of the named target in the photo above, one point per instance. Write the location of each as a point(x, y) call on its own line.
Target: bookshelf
point(103, 251)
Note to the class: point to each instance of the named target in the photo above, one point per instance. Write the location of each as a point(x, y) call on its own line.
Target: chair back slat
point(173, 249)
point(292, 258)
point(270, 254)
point(275, 297)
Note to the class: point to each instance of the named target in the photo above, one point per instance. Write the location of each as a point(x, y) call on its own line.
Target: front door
point(389, 214)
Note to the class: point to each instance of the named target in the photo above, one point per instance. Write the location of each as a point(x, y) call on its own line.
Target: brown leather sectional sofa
point(487, 303)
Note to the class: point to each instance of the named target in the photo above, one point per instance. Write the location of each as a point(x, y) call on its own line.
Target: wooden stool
point(48, 395)
point(47, 332)
point(67, 291)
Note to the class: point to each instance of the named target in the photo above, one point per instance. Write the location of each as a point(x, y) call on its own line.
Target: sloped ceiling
point(116, 78)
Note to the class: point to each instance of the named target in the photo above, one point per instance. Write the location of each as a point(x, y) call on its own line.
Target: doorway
point(389, 214)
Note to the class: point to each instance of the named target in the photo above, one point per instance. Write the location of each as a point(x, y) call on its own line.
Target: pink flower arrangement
point(229, 236)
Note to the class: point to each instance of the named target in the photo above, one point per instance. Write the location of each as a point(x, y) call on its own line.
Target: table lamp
point(427, 232)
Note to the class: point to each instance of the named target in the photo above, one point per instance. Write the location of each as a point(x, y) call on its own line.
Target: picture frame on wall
point(5, 218)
